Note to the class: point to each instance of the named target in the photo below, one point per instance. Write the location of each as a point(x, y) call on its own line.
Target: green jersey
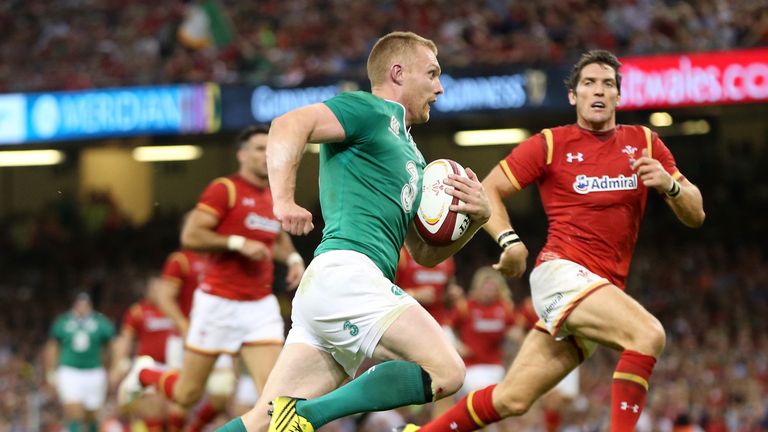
point(370, 183)
point(81, 340)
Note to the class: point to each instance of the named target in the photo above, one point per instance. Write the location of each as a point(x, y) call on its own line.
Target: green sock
point(385, 386)
point(92, 426)
point(73, 426)
point(234, 425)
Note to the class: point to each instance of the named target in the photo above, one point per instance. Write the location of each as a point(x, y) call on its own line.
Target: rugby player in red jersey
point(234, 310)
point(593, 177)
point(144, 332)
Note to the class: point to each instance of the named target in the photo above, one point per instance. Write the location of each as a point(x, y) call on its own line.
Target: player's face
point(82, 308)
point(487, 291)
point(595, 97)
point(421, 85)
point(253, 155)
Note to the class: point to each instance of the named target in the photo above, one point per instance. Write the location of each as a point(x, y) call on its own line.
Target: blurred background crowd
point(74, 44)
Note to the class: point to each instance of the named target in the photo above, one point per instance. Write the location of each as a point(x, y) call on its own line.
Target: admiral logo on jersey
point(585, 184)
point(256, 222)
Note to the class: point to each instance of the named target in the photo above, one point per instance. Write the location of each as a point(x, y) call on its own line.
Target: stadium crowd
point(709, 290)
point(75, 44)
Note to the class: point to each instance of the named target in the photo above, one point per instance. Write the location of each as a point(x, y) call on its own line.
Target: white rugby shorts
point(344, 305)
point(557, 287)
point(219, 325)
point(82, 386)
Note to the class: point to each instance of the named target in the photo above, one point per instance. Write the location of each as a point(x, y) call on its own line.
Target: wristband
point(507, 239)
point(235, 242)
point(294, 258)
point(674, 190)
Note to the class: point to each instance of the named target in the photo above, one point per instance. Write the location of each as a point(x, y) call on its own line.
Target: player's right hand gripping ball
point(435, 222)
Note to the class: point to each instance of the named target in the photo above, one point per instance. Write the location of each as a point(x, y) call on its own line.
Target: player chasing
point(346, 307)
point(234, 310)
point(145, 330)
point(594, 177)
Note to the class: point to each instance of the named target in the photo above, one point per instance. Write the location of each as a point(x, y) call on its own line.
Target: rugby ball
point(435, 222)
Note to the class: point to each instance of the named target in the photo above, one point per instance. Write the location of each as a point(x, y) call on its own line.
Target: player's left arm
point(199, 234)
point(286, 253)
point(474, 203)
point(682, 196)
point(51, 361)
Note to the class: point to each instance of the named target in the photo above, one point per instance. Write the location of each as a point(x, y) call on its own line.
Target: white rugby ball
point(435, 222)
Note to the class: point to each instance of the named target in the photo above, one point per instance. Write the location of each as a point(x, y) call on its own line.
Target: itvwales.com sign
point(157, 110)
point(714, 78)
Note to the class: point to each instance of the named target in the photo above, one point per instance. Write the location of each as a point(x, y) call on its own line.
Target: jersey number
point(408, 194)
point(81, 341)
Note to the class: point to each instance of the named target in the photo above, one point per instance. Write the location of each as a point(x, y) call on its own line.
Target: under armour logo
point(454, 426)
point(249, 202)
point(572, 157)
point(625, 406)
point(629, 150)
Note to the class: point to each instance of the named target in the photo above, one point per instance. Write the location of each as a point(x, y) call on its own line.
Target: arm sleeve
point(132, 318)
point(218, 197)
point(526, 162)
point(176, 267)
point(662, 154)
point(56, 330)
point(353, 113)
point(109, 329)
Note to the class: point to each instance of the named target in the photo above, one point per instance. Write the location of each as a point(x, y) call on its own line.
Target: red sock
point(552, 420)
point(630, 385)
point(204, 415)
point(163, 381)
point(175, 421)
point(472, 412)
point(154, 424)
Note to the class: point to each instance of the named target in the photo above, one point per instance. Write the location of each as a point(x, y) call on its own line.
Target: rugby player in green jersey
point(347, 307)
point(74, 362)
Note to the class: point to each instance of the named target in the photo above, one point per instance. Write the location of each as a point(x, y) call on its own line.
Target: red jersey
point(246, 210)
point(411, 274)
point(185, 268)
point(151, 328)
point(593, 199)
point(482, 329)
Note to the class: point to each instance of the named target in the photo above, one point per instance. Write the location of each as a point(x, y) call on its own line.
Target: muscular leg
point(539, 365)
point(190, 386)
point(407, 338)
point(75, 415)
point(301, 371)
point(611, 317)
point(415, 376)
point(260, 359)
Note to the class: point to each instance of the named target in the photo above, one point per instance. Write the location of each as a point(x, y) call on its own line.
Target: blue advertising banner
point(54, 116)
point(531, 89)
